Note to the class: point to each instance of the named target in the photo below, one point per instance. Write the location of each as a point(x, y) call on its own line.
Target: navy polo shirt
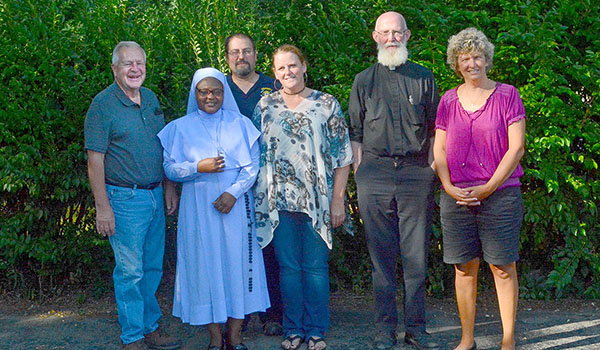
point(246, 102)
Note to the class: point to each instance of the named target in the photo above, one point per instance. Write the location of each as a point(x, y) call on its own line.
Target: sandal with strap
point(291, 339)
point(316, 343)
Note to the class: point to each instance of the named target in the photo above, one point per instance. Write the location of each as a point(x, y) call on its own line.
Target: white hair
point(125, 44)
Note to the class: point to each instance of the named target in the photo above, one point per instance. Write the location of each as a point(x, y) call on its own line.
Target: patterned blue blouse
point(300, 148)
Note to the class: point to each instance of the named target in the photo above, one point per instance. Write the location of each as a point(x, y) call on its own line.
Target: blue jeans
point(138, 245)
point(302, 256)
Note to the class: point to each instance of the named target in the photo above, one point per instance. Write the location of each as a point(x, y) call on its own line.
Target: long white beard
point(392, 58)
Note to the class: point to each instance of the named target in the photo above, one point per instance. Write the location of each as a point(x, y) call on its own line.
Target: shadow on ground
point(540, 325)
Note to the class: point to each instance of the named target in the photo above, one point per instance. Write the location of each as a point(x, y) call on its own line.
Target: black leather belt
point(414, 159)
point(139, 187)
point(406, 156)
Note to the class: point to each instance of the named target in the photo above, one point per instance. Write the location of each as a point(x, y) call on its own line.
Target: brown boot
point(159, 340)
point(136, 345)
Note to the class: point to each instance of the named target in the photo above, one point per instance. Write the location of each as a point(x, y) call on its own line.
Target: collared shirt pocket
point(417, 116)
point(374, 113)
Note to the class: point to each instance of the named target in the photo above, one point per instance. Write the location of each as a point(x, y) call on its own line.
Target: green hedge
point(55, 56)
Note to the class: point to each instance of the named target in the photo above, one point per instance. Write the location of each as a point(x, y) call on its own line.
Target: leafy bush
point(44, 233)
point(55, 56)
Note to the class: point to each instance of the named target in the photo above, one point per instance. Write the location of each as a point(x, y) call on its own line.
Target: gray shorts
point(491, 229)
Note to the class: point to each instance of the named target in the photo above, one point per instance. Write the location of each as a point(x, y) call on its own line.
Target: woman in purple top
point(479, 140)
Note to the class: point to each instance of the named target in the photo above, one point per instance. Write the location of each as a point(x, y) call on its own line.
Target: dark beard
point(243, 72)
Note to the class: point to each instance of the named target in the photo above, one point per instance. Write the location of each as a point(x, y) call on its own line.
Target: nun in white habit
point(214, 152)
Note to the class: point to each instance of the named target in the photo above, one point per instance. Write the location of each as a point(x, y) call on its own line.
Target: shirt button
point(481, 165)
point(463, 164)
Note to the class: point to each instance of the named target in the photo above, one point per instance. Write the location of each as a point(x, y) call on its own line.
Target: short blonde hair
point(469, 40)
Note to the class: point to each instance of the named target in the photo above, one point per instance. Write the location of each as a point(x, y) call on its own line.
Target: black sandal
point(315, 341)
point(291, 339)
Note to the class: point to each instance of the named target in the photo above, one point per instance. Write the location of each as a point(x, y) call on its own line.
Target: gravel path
point(92, 325)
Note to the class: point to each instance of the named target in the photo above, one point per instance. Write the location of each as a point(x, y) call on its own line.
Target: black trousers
point(395, 198)
point(275, 312)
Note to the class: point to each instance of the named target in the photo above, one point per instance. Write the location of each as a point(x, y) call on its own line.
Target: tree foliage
point(55, 56)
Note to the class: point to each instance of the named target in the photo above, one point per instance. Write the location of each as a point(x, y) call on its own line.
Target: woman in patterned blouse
point(305, 159)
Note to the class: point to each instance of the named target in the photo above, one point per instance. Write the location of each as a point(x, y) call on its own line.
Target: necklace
point(217, 139)
point(294, 93)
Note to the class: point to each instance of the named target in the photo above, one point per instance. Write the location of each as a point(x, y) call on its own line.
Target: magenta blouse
point(477, 141)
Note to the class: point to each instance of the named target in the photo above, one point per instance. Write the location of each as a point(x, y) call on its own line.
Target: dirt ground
point(73, 322)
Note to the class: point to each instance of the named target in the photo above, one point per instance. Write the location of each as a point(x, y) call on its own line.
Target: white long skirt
point(220, 268)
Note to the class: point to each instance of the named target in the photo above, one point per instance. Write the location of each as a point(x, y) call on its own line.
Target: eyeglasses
point(245, 52)
point(396, 34)
point(206, 92)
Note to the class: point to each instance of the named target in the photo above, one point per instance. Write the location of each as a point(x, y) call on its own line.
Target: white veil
point(228, 100)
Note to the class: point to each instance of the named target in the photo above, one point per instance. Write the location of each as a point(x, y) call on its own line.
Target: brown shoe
point(136, 345)
point(159, 340)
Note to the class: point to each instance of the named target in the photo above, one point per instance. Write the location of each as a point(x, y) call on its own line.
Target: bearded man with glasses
point(392, 113)
point(248, 87)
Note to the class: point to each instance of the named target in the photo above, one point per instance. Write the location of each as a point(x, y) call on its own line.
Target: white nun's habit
point(220, 270)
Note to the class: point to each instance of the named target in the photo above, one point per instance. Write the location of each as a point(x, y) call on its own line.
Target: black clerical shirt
point(392, 112)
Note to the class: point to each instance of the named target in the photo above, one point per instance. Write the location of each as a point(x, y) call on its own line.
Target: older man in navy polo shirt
point(126, 176)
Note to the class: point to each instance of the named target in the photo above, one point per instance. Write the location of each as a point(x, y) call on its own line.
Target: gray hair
point(125, 44)
point(470, 40)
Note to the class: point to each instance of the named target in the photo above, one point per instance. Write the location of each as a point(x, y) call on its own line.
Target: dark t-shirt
point(392, 112)
point(126, 133)
point(246, 102)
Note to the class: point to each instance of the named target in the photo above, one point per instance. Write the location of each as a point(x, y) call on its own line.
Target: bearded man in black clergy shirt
point(392, 113)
